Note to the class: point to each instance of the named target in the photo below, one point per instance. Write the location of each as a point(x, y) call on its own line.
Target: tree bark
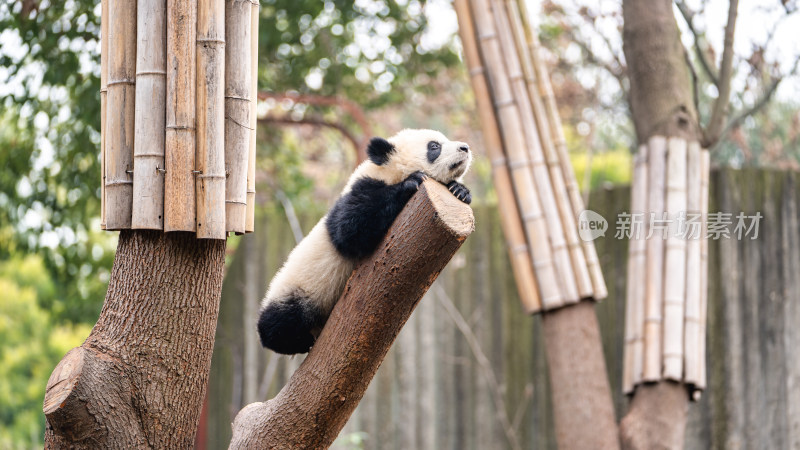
point(140, 378)
point(315, 404)
point(660, 81)
point(662, 103)
point(582, 408)
point(657, 417)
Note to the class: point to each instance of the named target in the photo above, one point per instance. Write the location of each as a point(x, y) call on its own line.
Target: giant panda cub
point(302, 294)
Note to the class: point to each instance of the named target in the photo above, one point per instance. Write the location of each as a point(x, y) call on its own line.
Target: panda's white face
point(428, 151)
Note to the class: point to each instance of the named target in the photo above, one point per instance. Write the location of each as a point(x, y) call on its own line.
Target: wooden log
point(510, 220)
point(637, 261)
point(538, 165)
point(210, 179)
point(693, 268)
point(517, 159)
point(705, 168)
point(557, 132)
point(674, 262)
point(251, 158)
point(237, 111)
point(381, 294)
point(148, 150)
point(120, 113)
point(103, 107)
point(583, 280)
point(179, 183)
point(656, 177)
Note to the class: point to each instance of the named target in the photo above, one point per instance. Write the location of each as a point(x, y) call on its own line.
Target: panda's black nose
point(464, 148)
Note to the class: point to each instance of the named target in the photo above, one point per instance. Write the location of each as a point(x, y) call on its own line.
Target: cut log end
point(63, 380)
point(452, 213)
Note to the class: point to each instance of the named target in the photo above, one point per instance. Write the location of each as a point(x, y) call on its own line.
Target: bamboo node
point(503, 103)
point(476, 71)
point(122, 81)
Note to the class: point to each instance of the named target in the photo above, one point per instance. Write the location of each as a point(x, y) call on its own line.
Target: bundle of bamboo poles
point(178, 115)
point(536, 186)
point(667, 265)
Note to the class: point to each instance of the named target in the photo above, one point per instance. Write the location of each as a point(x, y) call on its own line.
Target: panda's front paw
point(460, 191)
point(413, 181)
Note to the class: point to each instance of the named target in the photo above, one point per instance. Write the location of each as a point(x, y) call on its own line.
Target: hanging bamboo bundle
point(566, 213)
point(121, 93)
point(237, 111)
point(559, 142)
point(150, 116)
point(211, 119)
point(667, 273)
point(251, 158)
point(517, 157)
point(170, 160)
point(509, 213)
point(540, 219)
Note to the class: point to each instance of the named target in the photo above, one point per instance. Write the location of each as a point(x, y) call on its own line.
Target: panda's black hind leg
point(288, 326)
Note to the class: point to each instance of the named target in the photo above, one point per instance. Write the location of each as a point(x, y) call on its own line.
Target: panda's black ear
point(379, 150)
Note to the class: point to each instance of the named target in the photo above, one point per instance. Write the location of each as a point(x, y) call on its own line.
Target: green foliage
point(33, 343)
point(49, 188)
point(370, 51)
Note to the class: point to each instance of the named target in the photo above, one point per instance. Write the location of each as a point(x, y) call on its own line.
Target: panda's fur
point(302, 294)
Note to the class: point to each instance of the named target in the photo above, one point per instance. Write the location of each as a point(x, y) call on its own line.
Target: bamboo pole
point(656, 161)
point(510, 219)
point(560, 143)
point(120, 113)
point(237, 111)
point(251, 159)
point(103, 102)
point(568, 219)
point(148, 150)
point(705, 167)
point(635, 301)
point(538, 165)
point(179, 183)
point(517, 159)
point(693, 270)
point(210, 177)
point(674, 262)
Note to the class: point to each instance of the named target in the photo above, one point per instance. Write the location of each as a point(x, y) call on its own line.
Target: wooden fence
point(443, 383)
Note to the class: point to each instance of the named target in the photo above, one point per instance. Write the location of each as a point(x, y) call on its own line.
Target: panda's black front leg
point(360, 219)
point(460, 191)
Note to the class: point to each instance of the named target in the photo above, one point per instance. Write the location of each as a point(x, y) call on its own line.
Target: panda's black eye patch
point(434, 150)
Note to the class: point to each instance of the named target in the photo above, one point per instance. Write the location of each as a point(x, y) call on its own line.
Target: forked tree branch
point(353, 109)
point(688, 17)
point(759, 104)
point(720, 109)
point(384, 289)
point(316, 121)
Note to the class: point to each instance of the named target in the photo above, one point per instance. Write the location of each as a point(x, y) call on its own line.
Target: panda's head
point(428, 151)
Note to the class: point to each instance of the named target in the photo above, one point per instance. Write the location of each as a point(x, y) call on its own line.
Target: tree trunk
point(140, 378)
point(582, 408)
point(314, 405)
point(662, 103)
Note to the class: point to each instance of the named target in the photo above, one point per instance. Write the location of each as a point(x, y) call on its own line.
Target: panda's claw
point(460, 191)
